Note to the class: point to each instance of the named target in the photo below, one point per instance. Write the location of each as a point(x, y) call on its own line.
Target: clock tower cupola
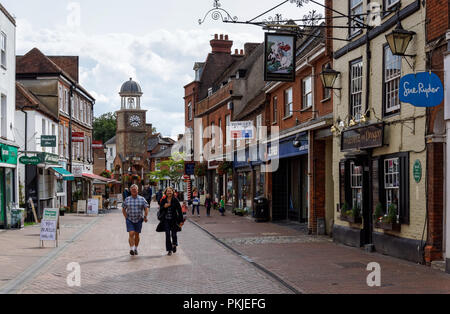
point(131, 133)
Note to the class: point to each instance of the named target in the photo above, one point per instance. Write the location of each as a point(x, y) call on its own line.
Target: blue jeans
point(198, 209)
point(171, 234)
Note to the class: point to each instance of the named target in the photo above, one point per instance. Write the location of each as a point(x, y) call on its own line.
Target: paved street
point(201, 265)
point(230, 255)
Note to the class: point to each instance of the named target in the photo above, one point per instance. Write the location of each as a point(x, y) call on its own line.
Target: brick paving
point(200, 266)
point(314, 264)
point(20, 249)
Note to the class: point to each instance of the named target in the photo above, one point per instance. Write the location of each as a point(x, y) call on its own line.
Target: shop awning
point(67, 176)
point(97, 178)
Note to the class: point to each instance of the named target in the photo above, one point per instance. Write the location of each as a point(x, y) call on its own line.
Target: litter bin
point(261, 209)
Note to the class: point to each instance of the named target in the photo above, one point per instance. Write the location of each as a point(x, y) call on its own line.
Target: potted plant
point(378, 214)
point(352, 216)
point(200, 169)
point(389, 221)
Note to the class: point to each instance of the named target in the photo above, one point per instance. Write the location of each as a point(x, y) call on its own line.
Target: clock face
point(135, 121)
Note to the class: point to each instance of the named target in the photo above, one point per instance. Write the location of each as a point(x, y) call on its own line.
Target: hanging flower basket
point(106, 174)
point(200, 169)
point(224, 167)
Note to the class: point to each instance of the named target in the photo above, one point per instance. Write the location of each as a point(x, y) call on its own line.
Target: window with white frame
point(213, 136)
point(288, 105)
point(189, 111)
point(392, 181)
point(61, 140)
point(259, 126)
point(66, 100)
point(3, 49)
point(81, 110)
point(60, 97)
point(356, 82)
point(388, 4)
point(157, 164)
point(227, 133)
point(356, 8)
point(356, 183)
point(3, 113)
point(66, 142)
point(307, 92)
point(53, 133)
point(220, 134)
point(275, 109)
point(392, 74)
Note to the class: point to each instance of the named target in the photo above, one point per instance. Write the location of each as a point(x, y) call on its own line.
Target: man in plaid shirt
point(132, 209)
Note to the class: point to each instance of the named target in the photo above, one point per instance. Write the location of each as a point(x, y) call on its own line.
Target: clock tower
point(132, 131)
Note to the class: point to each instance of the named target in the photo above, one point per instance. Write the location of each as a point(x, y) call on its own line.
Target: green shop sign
point(48, 140)
point(8, 154)
point(30, 160)
point(417, 171)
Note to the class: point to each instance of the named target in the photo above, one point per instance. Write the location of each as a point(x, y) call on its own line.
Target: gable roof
point(111, 141)
point(26, 98)
point(35, 63)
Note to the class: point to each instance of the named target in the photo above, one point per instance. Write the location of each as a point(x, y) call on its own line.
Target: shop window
point(3, 118)
point(3, 49)
point(189, 111)
point(391, 81)
point(356, 178)
point(389, 4)
point(356, 81)
point(392, 181)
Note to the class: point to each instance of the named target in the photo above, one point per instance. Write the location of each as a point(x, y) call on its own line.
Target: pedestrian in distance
point(195, 202)
point(126, 193)
point(222, 205)
point(159, 195)
point(170, 216)
point(135, 210)
point(208, 205)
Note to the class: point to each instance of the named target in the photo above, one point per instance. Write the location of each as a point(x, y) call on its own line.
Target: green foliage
point(172, 169)
point(378, 211)
point(392, 213)
point(105, 126)
point(355, 212)
point(200, 169)
point(344, 209)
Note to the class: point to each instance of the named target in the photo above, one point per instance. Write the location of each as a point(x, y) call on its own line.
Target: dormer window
point(210, 91)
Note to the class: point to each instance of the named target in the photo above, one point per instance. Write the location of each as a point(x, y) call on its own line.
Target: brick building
point(54, 82)
point(301, 189)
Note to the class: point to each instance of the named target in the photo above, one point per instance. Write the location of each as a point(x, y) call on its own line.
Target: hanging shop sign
point(241, 130)
point(78, 137)
point(189, 168)
point(77, 171)
point(422, 89)
point(48, 140)
point(371, 136)
point(97, 144)
point(30, 160)
point(279, 62)
point(417, 171)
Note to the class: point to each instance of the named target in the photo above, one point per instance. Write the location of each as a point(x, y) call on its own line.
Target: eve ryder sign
point(421, 89)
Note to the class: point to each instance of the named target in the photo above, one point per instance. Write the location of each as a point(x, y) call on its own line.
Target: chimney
point(221, 45)
point(249, 47)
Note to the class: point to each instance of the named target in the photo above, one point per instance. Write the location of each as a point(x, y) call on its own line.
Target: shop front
point(82, 187)
point(290, 181)
point(8, 185)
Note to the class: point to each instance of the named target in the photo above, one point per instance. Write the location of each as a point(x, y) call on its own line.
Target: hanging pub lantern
point(329, 77)
point(399, 40)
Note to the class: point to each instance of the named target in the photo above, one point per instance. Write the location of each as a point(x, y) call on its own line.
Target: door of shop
point(360, 195)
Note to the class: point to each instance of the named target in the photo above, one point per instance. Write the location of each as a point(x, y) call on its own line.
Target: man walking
point(132, 209)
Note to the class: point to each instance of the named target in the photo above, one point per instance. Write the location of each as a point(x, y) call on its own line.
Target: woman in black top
point(170, 215)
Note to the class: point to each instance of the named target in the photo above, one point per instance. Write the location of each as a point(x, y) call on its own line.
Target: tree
point(171, 169)
point(105, 126)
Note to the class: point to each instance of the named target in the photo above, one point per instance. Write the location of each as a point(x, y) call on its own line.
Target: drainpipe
point(310, 140)
point(26, 149)
point(69, 184)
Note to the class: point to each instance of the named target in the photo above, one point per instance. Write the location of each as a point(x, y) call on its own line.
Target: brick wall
point(438, 18)
point(433, 250)
point(317, 183)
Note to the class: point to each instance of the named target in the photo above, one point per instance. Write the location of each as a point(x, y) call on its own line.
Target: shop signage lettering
point(8, 154)
point(213, 164)
point(422, 89)
point(49, 224)
point(363, 138)
point(30, 160)
point(417, 171)
point(77, 171)
point(48, 140)
point(78, 137)
point(97, 144)
point(241, 130)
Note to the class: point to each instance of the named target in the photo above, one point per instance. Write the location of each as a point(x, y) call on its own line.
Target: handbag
point(160, 214)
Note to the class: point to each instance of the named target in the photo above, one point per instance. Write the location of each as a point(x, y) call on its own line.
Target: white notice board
point(92, 208)
point(49, 224)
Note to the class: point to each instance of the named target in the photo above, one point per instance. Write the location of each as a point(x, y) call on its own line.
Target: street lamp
point(329, 77)
point(399, 40)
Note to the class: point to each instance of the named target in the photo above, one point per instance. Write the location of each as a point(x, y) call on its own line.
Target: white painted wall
point(110, 157)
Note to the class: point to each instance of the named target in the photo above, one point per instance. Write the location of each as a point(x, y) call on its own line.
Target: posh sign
point(421, 89)
point(363, 138)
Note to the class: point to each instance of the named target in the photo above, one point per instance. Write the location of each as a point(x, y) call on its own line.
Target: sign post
point(49, 226)
point(48, 140)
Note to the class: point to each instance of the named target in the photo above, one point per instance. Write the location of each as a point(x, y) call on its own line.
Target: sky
point(154, 42)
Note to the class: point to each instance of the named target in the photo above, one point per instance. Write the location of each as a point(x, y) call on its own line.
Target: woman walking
point(170, 216)
point(195, 202)
point(208, 204)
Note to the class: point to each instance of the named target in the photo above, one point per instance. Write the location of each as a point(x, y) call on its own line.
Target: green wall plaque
point(417, 171)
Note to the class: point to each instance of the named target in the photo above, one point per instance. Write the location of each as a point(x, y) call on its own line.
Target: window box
point(388, 226)
point(351, 219)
